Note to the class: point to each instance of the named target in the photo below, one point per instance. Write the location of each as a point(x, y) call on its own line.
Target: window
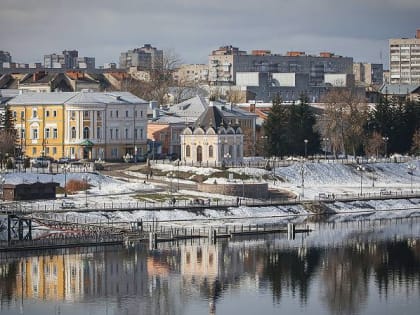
point(22, 133)
point(73, 132)
point(116, 114)
point(126, 133)
point(54, 113)
point(110, 113)
point(141, 113)
point(86, 114)
point(98, 132)
point(117, 133)
point(33, 151)
point(55, 133)
point(73, 115)
point(34, 133)
point(47, 113)
point(141, 133)
point(211, 151)
point(47, 150)
point(98, 115)
point(114, 152)
point(34, 113)
point(135, 133)
point(126, 113)
point(54, 150)
point(14, 114)
point(111, 133)
point(47, 133)
point(188, 151)
point(86, 133)
point(22, 115)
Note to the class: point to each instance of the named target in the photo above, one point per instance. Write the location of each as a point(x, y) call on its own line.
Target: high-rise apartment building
point(368, 73)
point(404, 56)
point(5, 57)
point(145, 58)
point(68, 59)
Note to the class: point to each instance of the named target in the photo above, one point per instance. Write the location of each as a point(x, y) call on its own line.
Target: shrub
point(74, 185)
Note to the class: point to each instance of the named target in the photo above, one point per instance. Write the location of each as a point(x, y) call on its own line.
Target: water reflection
point(200, 277)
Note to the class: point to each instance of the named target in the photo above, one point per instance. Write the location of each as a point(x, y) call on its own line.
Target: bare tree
point(374, 144)
point(415, 147)
point(344, 117)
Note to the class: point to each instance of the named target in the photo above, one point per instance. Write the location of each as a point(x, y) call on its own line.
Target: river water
point(356, 267)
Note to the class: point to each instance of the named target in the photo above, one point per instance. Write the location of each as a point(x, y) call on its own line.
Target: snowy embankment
point(318, 178)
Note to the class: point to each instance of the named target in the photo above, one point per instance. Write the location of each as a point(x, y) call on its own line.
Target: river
point(341, 267)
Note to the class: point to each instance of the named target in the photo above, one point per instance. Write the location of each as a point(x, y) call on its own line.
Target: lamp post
point(3, 180)
point(243, 185)
point(264, 139)
point(411, 168)
point(361, 169)
point(386, 145)
point(373, 160)
point(302, 174)
point(65, 168)
point(177, 174)
point(153, 149)
point(86, 179)
point(170, 175)
point(325, 147)
point(306, 147)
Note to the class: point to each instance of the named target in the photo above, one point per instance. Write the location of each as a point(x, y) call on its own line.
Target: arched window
point(188, 151)
point(210, 151)
point(86, 133)
point(73, 132)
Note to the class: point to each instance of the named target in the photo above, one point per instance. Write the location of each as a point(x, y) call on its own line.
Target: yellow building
point(81, 125)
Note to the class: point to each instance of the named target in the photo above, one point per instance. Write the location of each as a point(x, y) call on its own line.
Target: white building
point(404, 56)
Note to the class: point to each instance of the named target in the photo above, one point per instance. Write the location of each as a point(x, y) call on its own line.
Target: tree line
point(346, 125)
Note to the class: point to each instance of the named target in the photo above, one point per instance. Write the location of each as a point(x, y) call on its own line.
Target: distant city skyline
point(193, 28)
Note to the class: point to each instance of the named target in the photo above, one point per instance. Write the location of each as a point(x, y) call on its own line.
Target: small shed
point(30, 191)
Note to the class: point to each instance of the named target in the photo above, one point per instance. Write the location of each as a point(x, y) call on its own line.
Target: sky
point(191, 29)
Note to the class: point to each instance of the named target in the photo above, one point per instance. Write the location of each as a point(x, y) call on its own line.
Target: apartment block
point(192, 73)
point(405, 60)
point(5, 57)
point(144, 58)
point(368, 73)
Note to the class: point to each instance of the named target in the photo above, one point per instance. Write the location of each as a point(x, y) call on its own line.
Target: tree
point(344, 119)
point(7, 134)
point(301, 127)
point(276, 129)
point(415, 147)
point(374, 143)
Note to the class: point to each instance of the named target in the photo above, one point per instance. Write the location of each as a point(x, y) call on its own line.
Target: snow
point(319, 177)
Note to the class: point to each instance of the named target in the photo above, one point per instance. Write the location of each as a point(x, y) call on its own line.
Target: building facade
point(368, 73)
point(212, 139)
point(80, 125)
point(404, 56)
point(144, 58)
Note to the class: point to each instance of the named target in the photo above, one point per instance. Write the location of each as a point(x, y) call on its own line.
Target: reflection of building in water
point(199, 261)
point(41, 277)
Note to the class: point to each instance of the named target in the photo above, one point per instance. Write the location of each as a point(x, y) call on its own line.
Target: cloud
point(104, 28)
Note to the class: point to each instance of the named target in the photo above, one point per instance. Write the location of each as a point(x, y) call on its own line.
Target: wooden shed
point(31, 191)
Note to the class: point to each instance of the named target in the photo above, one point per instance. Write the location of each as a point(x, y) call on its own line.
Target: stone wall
point(250, 190)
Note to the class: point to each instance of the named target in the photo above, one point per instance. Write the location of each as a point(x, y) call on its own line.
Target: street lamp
point(325, 147)
point(306, 147)
point(153, 149)
point(373, 160)
point(361, 169)
point(86, 179)
point(264, 139)
point(411, 169)
point(177, 174)
point(386, 145)
point(243, 185)
point(170, 175)
point(302, 174)
point(65, 168)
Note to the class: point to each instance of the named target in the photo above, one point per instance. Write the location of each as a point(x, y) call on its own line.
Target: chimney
point(418, 34)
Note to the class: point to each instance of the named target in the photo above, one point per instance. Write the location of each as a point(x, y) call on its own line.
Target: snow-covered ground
point(318, 178)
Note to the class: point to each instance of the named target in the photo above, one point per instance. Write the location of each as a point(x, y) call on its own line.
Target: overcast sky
point(192, 28)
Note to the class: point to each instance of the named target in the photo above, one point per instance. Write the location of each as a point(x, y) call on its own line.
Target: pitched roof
point(398, 89)
point(212, 117)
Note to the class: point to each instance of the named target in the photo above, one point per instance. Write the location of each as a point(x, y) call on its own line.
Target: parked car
point(39, 162)
point(63, 160)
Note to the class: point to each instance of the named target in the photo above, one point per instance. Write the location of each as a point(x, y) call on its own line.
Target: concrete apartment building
point(404, 56)
point(144, 58)
point(192, 73)
point(368, 73)
point(227, 61)
point(5, 57)
point(68, 59)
